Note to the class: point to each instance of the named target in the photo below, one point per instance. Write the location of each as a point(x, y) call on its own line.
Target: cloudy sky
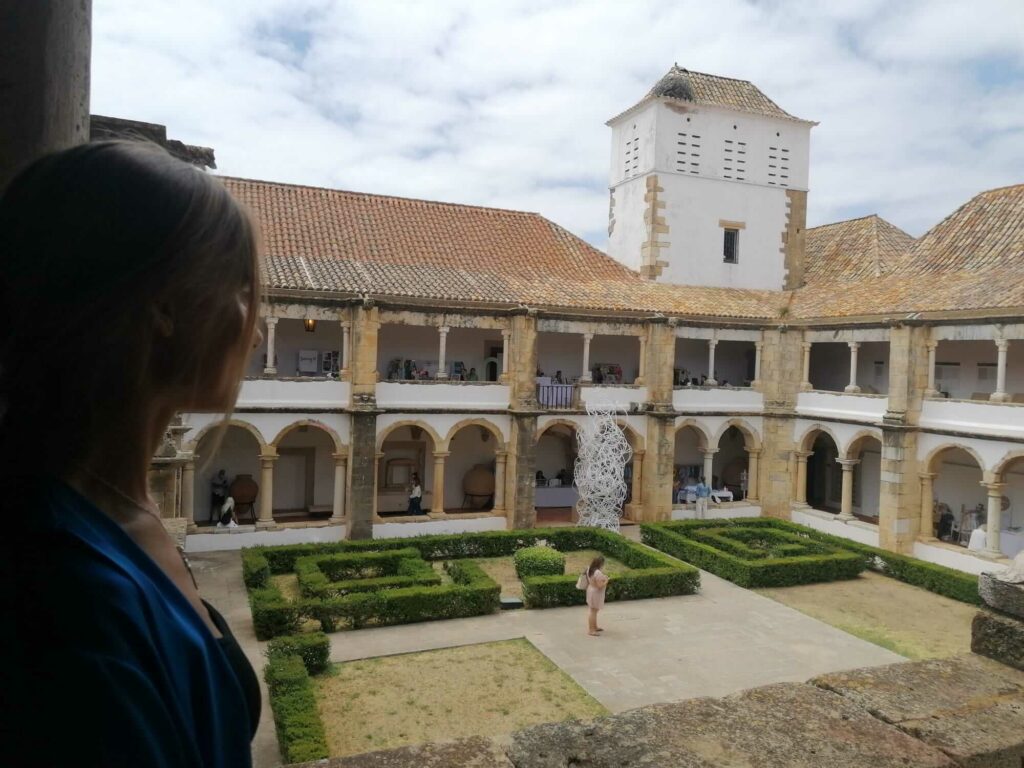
point(503, 103)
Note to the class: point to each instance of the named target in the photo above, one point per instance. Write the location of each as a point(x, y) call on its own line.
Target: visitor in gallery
point(540, 480)
point(559, 379)
point(218, 492)
point(472, 375)
point(597, 582)
point(106, 633)
point(415, 496)
point(703, 492)
point(227, 514)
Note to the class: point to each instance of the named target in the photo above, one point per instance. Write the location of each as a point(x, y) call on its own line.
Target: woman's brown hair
point(121, 272)
point(596, 563)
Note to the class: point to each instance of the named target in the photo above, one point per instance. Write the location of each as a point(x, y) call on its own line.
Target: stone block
point(1002, 596)
point(474, 752)
point(969, 707)
point(787, 725)
point(999, 637)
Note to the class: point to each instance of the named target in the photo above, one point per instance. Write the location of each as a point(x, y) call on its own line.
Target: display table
point(1011, 542)
point(563, 496)
point(718, 497)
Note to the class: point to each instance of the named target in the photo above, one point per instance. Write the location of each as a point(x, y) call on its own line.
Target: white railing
point(718, 399)
point(839, 405)
point(978, 417)
point(309, 393)
point(437, 394)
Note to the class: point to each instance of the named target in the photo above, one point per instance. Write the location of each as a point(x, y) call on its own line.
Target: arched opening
point(555, 495)
point(633, 475)
point(1011, 535)
point(471, 469)
point(688, 462)
point(304, 475)
point(824, 487)
point(406, 452)
point(958, 498)
point(866, 451)
point(731, 463)
point(238, 455)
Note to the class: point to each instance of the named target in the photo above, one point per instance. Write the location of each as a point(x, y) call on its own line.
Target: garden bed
point(347, 585)
point(503, 571)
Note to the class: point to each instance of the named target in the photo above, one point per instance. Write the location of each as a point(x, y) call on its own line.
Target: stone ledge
point(998, 637)
point(1001, 595)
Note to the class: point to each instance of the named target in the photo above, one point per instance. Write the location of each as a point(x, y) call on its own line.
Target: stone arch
point(807, 439)
point(557, 422)
point(439, 444)
point(1005, 463)
point(751, 439)
point(703, 436)
point(225, 423)
point(339, 446)
point(931, 461)
point(856, 444)
point(476, 422)
point(634, 438)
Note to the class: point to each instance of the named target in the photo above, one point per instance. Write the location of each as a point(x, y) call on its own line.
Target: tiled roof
point(330, 240)
point(680, 84)
point(855, 249)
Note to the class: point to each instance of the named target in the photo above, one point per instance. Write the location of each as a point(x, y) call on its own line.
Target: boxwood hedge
point(538, 561)
point(313, 648)
point(299, 728)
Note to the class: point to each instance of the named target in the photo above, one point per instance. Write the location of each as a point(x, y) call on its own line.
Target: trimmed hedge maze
point(701, 542)
point(352, 584)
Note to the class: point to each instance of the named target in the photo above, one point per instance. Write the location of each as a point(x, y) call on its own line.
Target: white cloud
point(921, 103)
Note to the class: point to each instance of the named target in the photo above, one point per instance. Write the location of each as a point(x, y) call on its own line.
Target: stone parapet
point(1001, 595)
point(999, 637)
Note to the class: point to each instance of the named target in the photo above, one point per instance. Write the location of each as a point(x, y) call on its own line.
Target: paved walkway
point(723, 640)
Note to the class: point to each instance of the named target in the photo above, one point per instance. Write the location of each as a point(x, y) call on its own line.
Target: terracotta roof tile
point(855, 249)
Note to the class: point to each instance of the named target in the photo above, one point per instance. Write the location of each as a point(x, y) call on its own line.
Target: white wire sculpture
point(600, 469)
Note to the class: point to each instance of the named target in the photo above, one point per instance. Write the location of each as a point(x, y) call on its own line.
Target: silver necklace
point(150, 511)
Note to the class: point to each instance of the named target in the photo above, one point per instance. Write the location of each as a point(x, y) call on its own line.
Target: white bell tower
point(708, 185)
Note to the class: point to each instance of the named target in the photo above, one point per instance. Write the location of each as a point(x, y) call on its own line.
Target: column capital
point(340, 458)
point(443, 329)
point(441, 455)
point(712, 342)
point(758, 343)
point(994, 489)
point(753, 451)
point(709, 451)
point(853, 344)
point(1002, 344)
point(346, 324)
point(501, 455)
point(931, 344)
point(803, 455)
point(506, 332)
point(927, 475)
point(269, 453)
point(848, 464)
point(806, 345)
point(588, 336)
point(271, 320)
point(639, 453)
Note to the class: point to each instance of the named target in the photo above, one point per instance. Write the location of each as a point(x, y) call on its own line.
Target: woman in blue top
point(129, 291)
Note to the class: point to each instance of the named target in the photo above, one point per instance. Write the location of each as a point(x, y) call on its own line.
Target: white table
point(562, 496)
point(1011, 542)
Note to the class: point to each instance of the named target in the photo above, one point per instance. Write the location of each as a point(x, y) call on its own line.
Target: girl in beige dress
point(596, 584)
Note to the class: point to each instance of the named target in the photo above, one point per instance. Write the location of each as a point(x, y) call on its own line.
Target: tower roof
point(682, 85)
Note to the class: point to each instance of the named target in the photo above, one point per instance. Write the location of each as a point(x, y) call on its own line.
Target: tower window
point(730, 246)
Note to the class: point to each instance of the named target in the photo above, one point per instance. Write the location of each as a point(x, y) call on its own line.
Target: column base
point(990, 555)
point(845, 517)
point(931, 393)
point(265, 525)
point(336, 521)
point(806, 386)
point(710, 383)
point(852, 389)
point(270, 371)
point(1000, 397)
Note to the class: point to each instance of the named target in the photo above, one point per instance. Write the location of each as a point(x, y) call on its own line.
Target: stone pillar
point(1000, 395)
point(846, 509)
point(270, 369)
point(931, 391)
point(709, 458)
point(781, 375)
point(800, 492)
point(641, 370)
point(927, 525)
point(994, 518)
point(267, 459)
point(442, 363)
point(587, 338)
point(500, 458)
point(505, 336)
point(657, 467)
point(852, 386)
point(753, 467)
point(805, 382)
point(638, 486)
point(188, 490)
point(44, 80)
point(363, 368)
point(660, 354)
point(522, 366)
point(756, 383)
point(711, 382)
point(437, 505)
point(346, 341)
point(362, 475)
point(522, 451)
point(340, 480)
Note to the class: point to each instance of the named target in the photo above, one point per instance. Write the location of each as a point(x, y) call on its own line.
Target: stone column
point(658, 466)
point(927, 526)
point(500, 459)
point(442, 363)
point(711, 382)
point(852, 386)
point(363, 366)
point(437, 505)
point(362, 475)
point(522, 449)
point(638, 476)
point(44, 73)
point(994, 518)
point(846, 510)
point(756, 383)
point(267, 459)
point(505, 336)
point(346, 341)
point(188, 490)
point(931, 391)
point(641, 371)
point(270, 369)
point(709, 457)
point(340, 480)
point(801, 477)
point(805, 382)
point(1000, 395)
point(753, 466)
point(587, 338)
